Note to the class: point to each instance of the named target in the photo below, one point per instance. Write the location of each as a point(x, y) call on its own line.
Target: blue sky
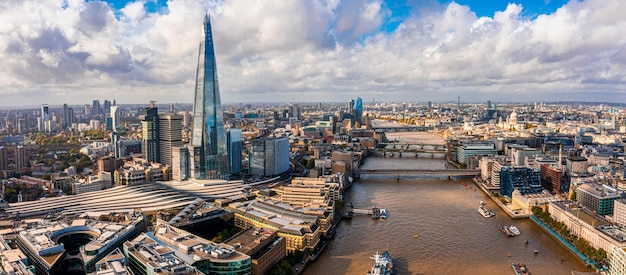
point(314, 50)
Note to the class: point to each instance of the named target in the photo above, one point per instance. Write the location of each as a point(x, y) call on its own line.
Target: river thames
point(453, 237)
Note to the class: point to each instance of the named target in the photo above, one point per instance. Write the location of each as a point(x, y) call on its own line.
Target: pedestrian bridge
point(407, 172)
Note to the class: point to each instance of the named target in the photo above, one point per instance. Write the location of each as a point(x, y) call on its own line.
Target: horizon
point(400, 50)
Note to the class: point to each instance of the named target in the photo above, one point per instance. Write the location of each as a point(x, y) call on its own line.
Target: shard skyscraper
point(209, 148)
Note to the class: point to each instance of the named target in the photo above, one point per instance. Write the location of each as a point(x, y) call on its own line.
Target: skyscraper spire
point(209, 154)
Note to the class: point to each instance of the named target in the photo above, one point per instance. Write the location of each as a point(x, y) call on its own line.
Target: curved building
point(209, 152)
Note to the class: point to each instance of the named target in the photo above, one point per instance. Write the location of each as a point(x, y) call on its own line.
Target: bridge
point(407, 172)
point(405, 128)
point(401, 148)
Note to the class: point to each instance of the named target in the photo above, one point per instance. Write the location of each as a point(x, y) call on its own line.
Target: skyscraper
point(170, 136)
point(358, 111)
point(3, 159)
point(66, 115)
point(209, 154)
point(235, 147)
point(150, 133)
point(21, 159)
point(45, 115)
point(114, 113)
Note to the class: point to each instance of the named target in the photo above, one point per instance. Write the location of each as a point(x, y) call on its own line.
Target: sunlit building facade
point(209, 154)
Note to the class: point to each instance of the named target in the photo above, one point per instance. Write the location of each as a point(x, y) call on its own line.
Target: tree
point(573, 196)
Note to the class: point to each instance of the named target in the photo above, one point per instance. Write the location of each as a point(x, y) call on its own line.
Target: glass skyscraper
point(209, 152)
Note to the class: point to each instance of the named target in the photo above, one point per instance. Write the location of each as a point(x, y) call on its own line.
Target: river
point(453, 237)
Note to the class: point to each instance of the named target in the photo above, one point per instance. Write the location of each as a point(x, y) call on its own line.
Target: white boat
point(383, 265)
point(383, 213)
point(484, 212)
point(514, 230)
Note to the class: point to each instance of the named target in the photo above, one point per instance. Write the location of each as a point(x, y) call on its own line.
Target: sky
point(134, 51)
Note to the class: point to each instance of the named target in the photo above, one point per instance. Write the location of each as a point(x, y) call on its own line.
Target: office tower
point(358, 111)
point(87, 110)
point(21, 159)
point(114, 113)
point(65, 117)
point(170, 136)
point(113, 120)
point(150, 133)
point(430, 106)
point(22, 126)
point(526, 180)
point(235, 147)
point(70, 117)
point(3, 159)
point(180, 163)
point(171, 108)
point(45, 115)
point(107, 106)
point(294, 111)
point(96, 107)
point(458, 103)
point(269, 157)
point(210, 153)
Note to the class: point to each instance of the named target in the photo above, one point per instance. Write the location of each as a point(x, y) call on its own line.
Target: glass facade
point(210, 151)
point(358, 110)
point(526, 180)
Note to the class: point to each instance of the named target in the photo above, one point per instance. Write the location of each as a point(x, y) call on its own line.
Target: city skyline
point(74, 51)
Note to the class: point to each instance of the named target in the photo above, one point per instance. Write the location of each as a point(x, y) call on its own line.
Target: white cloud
point(283, 50)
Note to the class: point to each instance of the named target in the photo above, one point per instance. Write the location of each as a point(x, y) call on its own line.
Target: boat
point(482, 203)
point(514, 230)
point(505, 231)
point(536, 251)
point(383, 265)
point(486, 213)
point(383, 214)
point(416, 236)
point(520, 268)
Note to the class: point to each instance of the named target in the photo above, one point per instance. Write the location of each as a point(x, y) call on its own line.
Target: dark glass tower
point(209, 154)
point(358, 110)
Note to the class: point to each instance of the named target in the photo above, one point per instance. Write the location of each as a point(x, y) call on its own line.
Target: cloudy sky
point(74, 51)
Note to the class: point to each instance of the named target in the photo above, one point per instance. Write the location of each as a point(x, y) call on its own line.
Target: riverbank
point(563, 242)
point(507, 210)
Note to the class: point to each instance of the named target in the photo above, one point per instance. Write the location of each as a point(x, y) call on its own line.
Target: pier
point(374, 212)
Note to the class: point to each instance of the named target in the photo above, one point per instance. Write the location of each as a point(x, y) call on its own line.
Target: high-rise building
point(170, 136)
point(45, 115)
point(21, 159)
point(526, 180)
point(235, 147)
point(209, 157)
point(114, 112)
point(294, 111)
point(107, 106)
point(96, 109)
point(150, 133)
point(180, 163)
point(269, 157)
point(358, 111)
point(3, 159)
point(70, 117)
point(66, 122)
